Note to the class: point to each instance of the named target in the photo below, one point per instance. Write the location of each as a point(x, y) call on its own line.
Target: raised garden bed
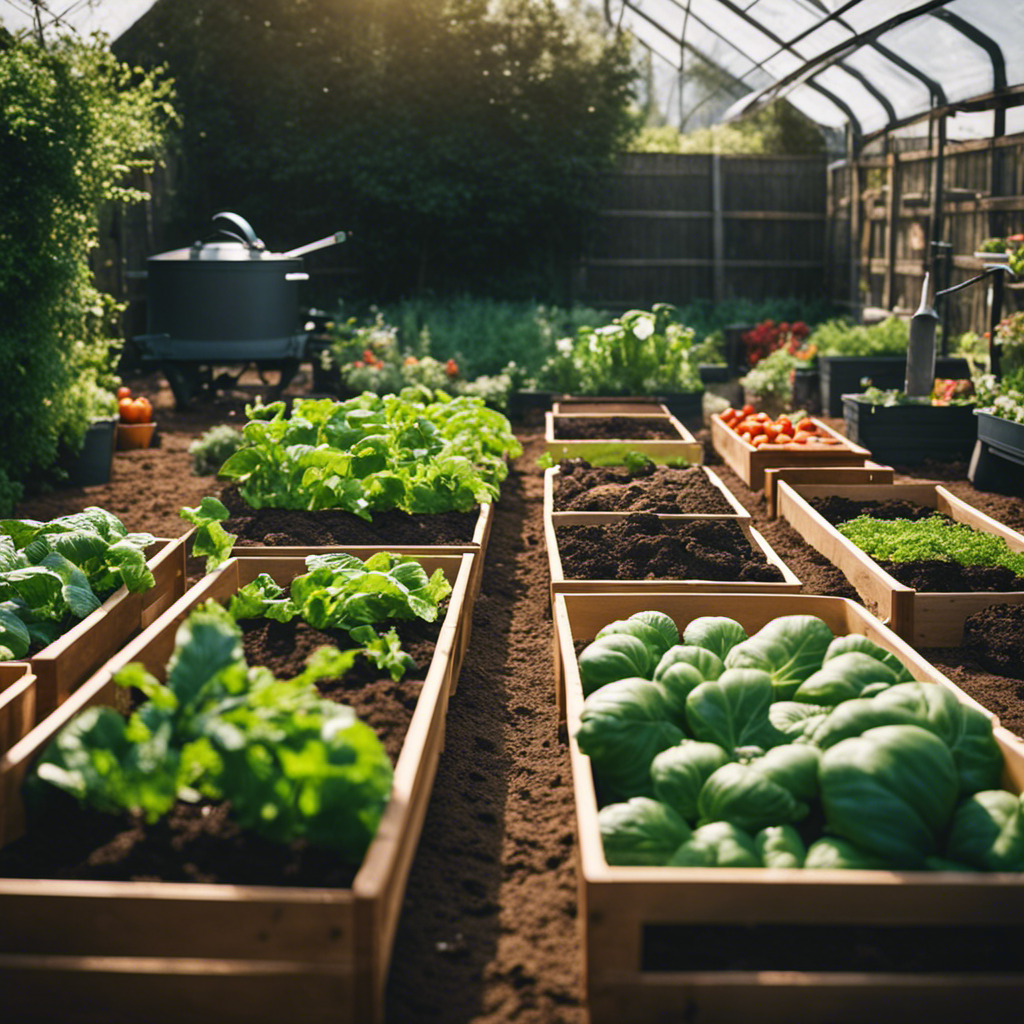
point(585, 492)
point(257, 953)
point(781, 944)
point(926, 618)
point(61, 666)
point(628, 428)
point(677, 448)
point(749, 462)
point(869, 473)
point(912, 433)
point(649, 552)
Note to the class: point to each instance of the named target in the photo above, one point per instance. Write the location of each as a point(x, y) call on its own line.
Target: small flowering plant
point(1010, 337)
point(1003, 398)
point(769, 336)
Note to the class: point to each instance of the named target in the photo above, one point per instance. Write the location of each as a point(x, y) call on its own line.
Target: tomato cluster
point(133, 410)
point(759, 429)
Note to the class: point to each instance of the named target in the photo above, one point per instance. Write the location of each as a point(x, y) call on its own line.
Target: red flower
point(451, 368)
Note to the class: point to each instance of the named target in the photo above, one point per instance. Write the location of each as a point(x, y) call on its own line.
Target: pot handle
point(248, 236)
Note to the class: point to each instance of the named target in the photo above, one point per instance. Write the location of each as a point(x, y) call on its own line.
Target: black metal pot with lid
point(227, 298)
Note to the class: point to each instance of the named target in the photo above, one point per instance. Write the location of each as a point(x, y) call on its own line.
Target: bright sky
point(110, 16)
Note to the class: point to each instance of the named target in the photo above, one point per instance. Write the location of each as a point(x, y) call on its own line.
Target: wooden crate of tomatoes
point(750, 442)
point(136, 426)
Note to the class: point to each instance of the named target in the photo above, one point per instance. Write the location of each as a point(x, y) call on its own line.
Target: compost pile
point(580, 487)
point(488, 931)
point(616, 428)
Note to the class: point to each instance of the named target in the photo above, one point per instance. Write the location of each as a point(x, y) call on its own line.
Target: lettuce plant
point(53, 574)
point(292, 764)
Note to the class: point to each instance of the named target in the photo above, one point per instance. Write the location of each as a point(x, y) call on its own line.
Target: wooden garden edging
point(78, 951)
point(869, 473)
point(61, 666)
point(601, 451)
point(749, 463)
point(925, 619)
point(17, 702)
point(621, 908)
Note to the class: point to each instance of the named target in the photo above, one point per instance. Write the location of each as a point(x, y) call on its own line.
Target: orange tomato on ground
point(123, 392)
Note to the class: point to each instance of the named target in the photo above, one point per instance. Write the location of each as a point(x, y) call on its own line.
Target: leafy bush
point(638, 353)
point(841, 338)
point(210, 451)
point(73, 123)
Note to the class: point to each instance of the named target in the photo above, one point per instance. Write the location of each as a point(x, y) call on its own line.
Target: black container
point(842, 375)
point(997, 463)
point(686, 406)
point(908, 434)
point(92, 465)
point(807, 390)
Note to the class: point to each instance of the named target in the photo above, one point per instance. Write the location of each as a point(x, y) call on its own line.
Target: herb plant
point(905, 540)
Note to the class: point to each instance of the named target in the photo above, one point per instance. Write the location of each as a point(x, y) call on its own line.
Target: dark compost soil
point(488, 932)
point(615, 428)
point(644, 547)
point(580, 487)
point(929, 575)
point(278, 527)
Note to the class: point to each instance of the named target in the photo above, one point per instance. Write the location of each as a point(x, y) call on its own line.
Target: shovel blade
point(921, 354)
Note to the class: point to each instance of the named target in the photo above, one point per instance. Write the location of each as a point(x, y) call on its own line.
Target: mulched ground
point(488, 932)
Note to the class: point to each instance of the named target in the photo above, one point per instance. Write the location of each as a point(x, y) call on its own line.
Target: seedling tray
point(63, 665)
point(145, 951)
point(926, 619)
point(687, 451)
point(625, 912)
point(749, 463)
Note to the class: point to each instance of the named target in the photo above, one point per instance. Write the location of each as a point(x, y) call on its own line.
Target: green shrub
point(841, 338)
point(211, 451)
point(73, 123)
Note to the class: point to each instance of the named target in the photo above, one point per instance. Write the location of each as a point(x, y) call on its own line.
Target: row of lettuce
point(789, 748)
point(293, 764)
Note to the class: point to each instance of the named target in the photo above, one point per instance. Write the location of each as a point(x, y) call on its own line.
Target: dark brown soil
point(615, 428)
point(488, 931)
point(994, 637)
point(644, 547)
point(930, 575)
point(580, 487)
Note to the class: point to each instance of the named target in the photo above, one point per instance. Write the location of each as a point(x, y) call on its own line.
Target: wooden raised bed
point(925, 619)
point(579, 518)
point(93, 951)
point(869, 473)
point(477, 546)
point(749, 463)
point(687, 451)
point(561, 585)
point(624, 909)
point(61, 666)
point(17, 702)
point(638, 406)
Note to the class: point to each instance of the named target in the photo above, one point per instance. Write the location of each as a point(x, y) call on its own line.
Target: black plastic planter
point(841, 375)
point(91, 466)
point(686, 406)
point(907, 434)
point(998, 460)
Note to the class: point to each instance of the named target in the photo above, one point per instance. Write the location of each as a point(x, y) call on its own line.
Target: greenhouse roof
point(874, 65)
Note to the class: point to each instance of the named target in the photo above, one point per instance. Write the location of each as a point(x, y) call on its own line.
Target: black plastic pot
point(841, 375)
point(997, 463)
point(92, 465)
point(908, 434)
point(807, 390)
point(686, 406)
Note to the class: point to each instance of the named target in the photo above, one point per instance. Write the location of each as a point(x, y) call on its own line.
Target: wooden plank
point(17, 702)
point(618, 903)
point(686, 451)
point(749, 463)
point(926, 619)
point(167, 932)
point(869, 473)
point(69, 660)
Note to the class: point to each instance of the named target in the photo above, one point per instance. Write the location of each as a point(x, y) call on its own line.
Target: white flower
point(564, 346)
point(644, 329)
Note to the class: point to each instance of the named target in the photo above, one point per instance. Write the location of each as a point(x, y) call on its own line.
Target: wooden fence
point(914, 213)
point(679, 228)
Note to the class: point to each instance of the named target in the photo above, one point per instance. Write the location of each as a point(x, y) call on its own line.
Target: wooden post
point(717, 230)
point(854, 223)
point(891, 208)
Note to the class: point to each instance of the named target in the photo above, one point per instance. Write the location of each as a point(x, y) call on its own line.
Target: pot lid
point(234, 241)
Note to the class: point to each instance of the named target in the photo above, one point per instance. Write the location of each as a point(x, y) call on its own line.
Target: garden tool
point(921, 347)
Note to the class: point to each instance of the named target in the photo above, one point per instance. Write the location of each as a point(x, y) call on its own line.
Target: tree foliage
point(458, 140)
point(73, 123)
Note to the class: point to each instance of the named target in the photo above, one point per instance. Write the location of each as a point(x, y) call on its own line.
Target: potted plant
point(640, 352)
point(88, 437)
point(998, 460)
point(782, 364)
point(850, 353)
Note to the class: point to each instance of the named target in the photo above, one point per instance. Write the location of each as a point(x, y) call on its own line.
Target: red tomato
point(123, 392)
point(135, 410)
point(747, 410)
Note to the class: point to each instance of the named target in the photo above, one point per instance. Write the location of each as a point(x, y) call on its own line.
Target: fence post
point(717, 230)
point(891, 209)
